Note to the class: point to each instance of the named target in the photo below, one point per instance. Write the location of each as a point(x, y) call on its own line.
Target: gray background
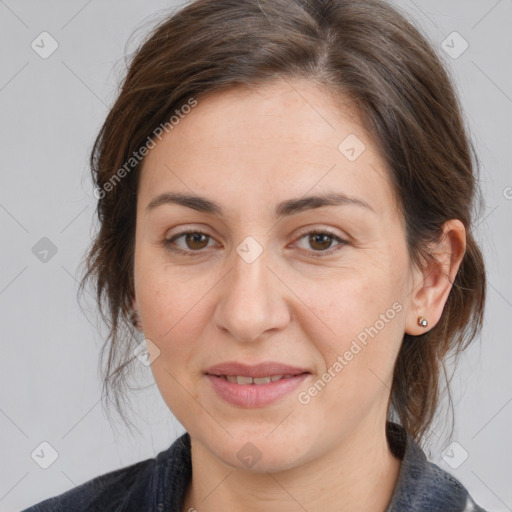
point(51, 110)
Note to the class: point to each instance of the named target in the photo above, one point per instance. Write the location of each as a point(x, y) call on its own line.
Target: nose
point(253, 301)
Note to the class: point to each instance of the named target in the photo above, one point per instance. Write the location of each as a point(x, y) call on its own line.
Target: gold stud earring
point(422, 321)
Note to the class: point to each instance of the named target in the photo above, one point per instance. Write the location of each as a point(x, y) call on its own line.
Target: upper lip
point(265, 369)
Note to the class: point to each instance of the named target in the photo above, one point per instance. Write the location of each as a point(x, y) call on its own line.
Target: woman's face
point(275, 278)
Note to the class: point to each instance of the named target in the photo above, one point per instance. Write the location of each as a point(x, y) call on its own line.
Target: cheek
point(173, 316)
point(175, 309)
point(344, 307)
point(360, 323)
point(169, 300)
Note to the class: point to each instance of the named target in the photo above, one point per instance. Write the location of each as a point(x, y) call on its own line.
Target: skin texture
point(248, 150)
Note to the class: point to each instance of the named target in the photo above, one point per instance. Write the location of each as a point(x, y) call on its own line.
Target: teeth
point(243, 380)
point(239, 379)
point(261, 380)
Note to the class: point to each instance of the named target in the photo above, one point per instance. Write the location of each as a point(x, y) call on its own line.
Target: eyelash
point(168, 243)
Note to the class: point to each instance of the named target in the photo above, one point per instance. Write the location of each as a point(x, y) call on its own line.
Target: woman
point(285, 194)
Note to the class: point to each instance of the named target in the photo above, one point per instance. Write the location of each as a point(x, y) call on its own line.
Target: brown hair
point(364, 50)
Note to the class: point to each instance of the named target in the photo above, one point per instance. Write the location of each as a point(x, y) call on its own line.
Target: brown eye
point(320, 242)
point(195, 241)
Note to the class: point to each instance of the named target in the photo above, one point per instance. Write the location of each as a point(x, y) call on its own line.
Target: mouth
point(259, 385)
point(258, 381)
point(268, 369)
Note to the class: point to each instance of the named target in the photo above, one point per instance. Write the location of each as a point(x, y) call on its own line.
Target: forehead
point(281, 140)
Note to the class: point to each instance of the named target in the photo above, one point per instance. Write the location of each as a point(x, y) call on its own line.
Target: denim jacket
point(160, 484)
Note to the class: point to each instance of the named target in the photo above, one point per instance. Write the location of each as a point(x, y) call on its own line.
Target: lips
point(257, 385)
point(260, 370)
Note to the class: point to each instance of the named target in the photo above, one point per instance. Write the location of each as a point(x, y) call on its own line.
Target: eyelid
point(319, 229)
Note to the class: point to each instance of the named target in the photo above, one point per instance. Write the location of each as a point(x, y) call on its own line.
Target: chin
point(256, 451)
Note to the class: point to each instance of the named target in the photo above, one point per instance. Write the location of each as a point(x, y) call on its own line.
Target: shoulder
point(107, 492)
point(149, 485)
point(423, 485)
point(448, 491)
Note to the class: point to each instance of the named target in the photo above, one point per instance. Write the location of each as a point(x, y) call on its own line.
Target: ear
point(434, 282)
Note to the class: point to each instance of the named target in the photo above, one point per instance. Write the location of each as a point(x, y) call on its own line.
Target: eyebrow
point(285, 208)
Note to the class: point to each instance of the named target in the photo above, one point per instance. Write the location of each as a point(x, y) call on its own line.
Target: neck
point(357, 475)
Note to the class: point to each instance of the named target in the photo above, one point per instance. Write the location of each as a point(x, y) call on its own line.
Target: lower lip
point(255, 395)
